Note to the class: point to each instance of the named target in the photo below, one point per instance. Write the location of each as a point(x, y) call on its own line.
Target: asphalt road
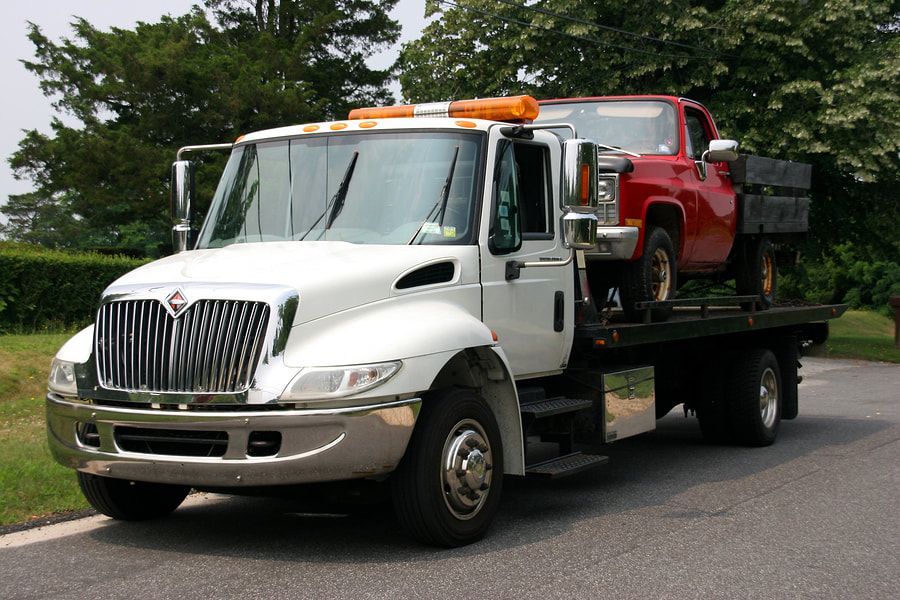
point(816, 515)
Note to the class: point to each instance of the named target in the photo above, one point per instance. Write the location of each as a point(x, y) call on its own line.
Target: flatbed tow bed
point(693, 323)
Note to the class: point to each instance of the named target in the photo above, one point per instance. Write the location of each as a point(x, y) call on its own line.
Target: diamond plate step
point(563, 466)
point(554, 406)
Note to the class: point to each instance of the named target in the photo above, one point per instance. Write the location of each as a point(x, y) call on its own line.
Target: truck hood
point(329, 276)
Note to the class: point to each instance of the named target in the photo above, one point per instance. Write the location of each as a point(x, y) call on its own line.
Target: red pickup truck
point(680, 202)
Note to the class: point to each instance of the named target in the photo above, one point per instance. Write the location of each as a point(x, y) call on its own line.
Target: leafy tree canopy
point(138, 94)
point(791, 78)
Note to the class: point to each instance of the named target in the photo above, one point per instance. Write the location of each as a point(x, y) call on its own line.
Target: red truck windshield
point(642, 126)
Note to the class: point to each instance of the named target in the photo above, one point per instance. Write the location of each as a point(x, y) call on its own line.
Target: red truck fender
point(665, 212)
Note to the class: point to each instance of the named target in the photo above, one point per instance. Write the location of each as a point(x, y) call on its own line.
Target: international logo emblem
point(176, 302)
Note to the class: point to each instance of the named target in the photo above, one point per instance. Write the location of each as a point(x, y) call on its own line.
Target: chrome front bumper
point(316, 445)
point(614, 243)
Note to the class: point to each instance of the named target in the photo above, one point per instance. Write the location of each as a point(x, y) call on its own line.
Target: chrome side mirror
point(721, 151)
point(579, 176)
point(182, 192)
point(580, 230)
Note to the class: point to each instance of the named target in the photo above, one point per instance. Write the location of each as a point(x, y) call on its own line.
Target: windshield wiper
point(442, 200)
point(616, 149)
point(336, 204)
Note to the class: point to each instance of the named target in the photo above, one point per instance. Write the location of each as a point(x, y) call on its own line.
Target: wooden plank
point(758, 170)
point(772, 214)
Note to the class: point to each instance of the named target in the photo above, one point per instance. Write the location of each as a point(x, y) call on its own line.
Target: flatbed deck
point(690, 323)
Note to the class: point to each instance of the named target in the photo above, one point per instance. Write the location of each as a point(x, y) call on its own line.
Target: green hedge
point(43, 289)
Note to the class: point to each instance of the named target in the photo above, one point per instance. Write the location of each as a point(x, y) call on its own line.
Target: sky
point(24, 107)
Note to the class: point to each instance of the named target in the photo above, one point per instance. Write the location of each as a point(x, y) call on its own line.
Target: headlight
point(606, 189)
point(62, 378)
point(333, 382)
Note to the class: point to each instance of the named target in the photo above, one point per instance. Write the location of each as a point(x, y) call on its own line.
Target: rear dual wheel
point(749, 410)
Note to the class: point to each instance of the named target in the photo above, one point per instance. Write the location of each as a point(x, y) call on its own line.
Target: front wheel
point(131, 500)
point(447, 488)
point(652, 277)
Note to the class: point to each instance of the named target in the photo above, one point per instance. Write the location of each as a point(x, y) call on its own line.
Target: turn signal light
point(513, 108)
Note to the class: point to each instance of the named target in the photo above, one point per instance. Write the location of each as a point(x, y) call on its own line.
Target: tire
point(131, 500)
point(427, 497)
point(756, 273)
point(653, 276)
point(754, 410)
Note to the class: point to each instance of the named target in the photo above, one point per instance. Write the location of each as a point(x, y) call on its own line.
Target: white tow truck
point(400, 297)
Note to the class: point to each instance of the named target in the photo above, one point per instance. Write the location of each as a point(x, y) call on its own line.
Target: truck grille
point(212, 347)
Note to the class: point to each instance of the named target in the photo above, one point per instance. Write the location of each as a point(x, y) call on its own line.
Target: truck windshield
point(642, 126)
point(368, 188)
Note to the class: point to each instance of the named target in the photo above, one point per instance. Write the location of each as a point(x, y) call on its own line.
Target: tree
point(807, 80)
point(208, 76)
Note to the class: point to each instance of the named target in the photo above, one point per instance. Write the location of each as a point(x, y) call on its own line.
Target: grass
point(863, 334)
point(31, 483)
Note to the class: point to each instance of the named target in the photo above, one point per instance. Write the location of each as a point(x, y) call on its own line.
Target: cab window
point(696, 134)
point(522, 198)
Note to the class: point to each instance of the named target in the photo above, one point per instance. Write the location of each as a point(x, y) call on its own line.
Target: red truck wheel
point(756, 272)
point(653, 276)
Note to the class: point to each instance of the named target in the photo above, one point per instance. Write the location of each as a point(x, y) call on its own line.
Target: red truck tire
point(653, 276)
point(756, 273)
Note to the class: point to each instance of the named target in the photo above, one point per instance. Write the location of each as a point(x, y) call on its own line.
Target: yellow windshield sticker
point(449, 232)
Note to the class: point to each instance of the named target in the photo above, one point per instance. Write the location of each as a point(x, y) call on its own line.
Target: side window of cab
point(697, 134)
point(522, 197)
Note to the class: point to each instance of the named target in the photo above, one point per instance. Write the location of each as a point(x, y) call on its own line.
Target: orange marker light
point(494, 335)
point(616, 337)
point(585, 184)
point(310, 128)
point(514, 108)
point(368, 124)
point(468, 124)
point(599, 342)
point(238, 140)
point(338, 126)
point(382, 112)
point(750, 321)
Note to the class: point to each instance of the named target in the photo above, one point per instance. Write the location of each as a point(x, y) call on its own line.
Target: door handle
point(559, 311)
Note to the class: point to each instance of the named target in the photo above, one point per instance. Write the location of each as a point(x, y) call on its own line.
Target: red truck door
point(716, 213)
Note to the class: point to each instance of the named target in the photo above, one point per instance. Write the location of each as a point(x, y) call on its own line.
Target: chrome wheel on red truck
point(652, 277)
point(756, 272)
point(447, 487)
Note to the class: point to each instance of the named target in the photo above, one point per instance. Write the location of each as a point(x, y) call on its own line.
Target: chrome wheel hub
point(466, 469)
point(768, 397)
